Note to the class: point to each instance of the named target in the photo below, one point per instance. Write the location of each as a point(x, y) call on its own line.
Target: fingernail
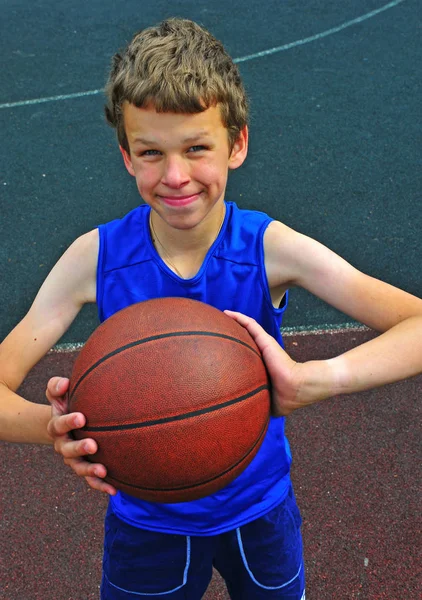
point(77, 422)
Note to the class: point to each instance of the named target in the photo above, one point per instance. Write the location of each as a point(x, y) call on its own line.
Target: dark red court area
point(356, 474)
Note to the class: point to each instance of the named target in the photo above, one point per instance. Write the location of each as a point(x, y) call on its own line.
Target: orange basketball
point(176, 395)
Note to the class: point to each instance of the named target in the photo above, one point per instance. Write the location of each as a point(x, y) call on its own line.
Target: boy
point(180, 111)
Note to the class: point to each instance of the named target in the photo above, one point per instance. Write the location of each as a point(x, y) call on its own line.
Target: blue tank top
point(232, 276)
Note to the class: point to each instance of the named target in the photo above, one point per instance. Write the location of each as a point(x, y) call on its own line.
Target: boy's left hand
point(73, 452)
point(294, 385)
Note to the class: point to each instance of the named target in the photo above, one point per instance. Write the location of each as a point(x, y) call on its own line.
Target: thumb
point(56, 393)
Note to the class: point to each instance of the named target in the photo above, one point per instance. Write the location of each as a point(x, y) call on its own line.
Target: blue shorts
point(260, 560)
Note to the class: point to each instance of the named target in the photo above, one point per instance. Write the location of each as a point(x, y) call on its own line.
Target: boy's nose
point(176, 172)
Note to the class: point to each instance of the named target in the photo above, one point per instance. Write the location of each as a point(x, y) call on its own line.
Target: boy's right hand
point(73, 452)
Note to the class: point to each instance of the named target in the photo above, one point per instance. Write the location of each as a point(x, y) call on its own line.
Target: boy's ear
point(127, 160)
point(240, 149)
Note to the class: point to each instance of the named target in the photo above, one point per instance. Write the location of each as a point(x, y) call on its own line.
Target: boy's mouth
point(179, 200)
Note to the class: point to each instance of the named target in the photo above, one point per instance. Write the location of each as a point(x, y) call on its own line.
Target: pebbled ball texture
point(176, 395)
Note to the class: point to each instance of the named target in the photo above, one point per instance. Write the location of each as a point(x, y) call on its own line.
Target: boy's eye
point(197, 148)
point(150, 153)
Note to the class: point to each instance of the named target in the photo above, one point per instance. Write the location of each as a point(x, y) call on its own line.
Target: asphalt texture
point(334, 153)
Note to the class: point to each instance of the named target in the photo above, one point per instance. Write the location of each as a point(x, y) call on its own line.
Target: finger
point(84, 468)
point(261, 337)
point(276, 359)
point(247, 322)
point(237, 316)
point(74, 449)
point(61, 424)
point(101, 486)
point(93, 473)
point(57, 386)
point(56, 394)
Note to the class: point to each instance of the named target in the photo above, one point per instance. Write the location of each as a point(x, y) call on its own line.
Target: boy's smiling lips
point(179, 200)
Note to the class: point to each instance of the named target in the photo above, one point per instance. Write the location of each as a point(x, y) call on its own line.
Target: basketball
point(176, 395)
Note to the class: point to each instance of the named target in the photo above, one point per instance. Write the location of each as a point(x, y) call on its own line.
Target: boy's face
point(180, 161)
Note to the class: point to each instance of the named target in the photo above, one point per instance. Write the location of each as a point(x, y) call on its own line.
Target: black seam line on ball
point(153, 338)
point(111, 479)
point(189, 415)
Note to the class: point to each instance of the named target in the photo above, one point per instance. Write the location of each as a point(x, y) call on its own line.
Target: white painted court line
point(51, 99)
point(76, 347)
point(324, 328)
point(321, 35)
point(261, 54)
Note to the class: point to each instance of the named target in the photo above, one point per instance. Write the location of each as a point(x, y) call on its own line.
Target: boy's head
point(177, 67)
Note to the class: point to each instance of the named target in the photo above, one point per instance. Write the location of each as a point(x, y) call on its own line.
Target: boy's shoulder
point(246, 217)
point(243, 230)
point(245, 212)
point(122, 241)
point(132, 218)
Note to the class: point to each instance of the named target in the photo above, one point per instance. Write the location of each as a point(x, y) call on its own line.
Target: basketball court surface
point(335, 153)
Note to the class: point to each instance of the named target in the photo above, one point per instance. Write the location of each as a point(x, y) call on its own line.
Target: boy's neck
point(183, 250)
point(196, 238)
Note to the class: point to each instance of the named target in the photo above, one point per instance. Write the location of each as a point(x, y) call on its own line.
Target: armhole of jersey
point(264, 279)
point(100, 279)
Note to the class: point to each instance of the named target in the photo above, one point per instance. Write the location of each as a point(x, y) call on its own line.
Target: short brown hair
point(178, 67)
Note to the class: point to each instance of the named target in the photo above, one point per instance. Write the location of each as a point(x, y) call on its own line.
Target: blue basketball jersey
point(233, 277)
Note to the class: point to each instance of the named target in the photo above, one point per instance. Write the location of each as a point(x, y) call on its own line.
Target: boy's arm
point(292, 260)
point(70, 284)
